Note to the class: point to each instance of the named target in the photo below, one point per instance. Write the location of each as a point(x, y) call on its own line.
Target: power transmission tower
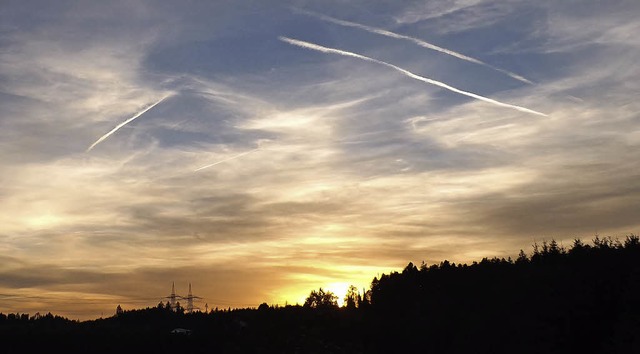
point(173, 297)
point(190, 299)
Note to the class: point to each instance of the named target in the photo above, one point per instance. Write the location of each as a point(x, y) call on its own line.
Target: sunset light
point(261, 150)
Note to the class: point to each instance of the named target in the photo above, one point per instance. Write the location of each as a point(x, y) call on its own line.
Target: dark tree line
point(582, 298)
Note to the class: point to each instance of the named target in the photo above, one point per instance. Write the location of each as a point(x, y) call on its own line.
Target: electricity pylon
point(190, 299)
point(173, 297)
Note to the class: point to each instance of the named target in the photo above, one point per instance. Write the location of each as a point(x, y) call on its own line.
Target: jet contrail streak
point(320, 48)
point(411, 39)
point(227, 159)
point(126, 122)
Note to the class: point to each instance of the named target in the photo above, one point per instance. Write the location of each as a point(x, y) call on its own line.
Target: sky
point(262, 149)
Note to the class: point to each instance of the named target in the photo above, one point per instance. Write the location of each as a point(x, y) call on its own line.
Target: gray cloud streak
point(417, 41)
point(322, 49)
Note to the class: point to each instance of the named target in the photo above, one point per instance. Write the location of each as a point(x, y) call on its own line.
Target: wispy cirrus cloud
point(319, 48)
point(102, 138)
point(417, 41)
point(226, 159)
point(430, 10)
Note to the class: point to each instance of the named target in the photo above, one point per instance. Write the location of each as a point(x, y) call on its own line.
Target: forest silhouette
point(580, 299)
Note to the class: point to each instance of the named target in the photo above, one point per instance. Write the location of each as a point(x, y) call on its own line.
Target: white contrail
point(126, 122)
point(227, 159)
point(320, 48)
point(417, 41)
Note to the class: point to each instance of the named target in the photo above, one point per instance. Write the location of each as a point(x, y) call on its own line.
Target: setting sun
point(339, 290)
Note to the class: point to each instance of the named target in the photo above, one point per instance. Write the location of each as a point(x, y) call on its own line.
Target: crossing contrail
point(320, 48)
point(126, 122)
point(227, 159)
point(417, 41)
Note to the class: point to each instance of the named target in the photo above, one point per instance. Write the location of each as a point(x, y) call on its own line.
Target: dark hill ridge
point(578, 300)
point(584, 299)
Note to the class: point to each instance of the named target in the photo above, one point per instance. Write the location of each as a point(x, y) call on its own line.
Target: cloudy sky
point(261, 149)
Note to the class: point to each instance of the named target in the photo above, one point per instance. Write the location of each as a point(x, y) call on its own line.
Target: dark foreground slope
point(584, 300)
point(581, 300)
